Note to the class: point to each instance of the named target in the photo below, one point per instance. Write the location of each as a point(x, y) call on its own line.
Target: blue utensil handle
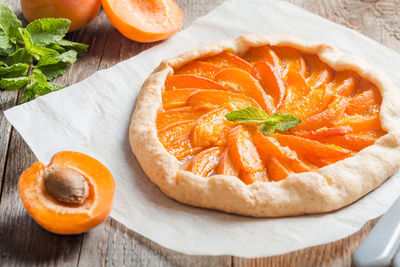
point(382, 242)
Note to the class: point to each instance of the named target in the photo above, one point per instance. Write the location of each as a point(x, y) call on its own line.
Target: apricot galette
point(267, 126)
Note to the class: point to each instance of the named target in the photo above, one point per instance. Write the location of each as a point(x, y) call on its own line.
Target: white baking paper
point(92, 117)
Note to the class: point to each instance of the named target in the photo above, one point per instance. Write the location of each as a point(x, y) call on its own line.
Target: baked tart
point(267, 126)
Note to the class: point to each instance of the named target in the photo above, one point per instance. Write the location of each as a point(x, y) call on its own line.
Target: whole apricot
point(79, 12)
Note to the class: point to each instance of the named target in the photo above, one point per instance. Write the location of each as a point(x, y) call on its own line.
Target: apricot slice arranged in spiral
point(336, 114)
point(71, 195)
point(144, 20)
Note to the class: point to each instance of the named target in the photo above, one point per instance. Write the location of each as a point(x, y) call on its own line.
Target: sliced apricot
point(176, 98)
point(362, 102)
point(312, 147)
point(291, 60)
point(182, 149)
point(243, 151)
point(185, 81)
point(263, 53)
point(319, 72)
point(360, 123)
point(355, 142)
point(276, 170)
point(344, 83)
point(174, 131)
point(271, 80)
point(199, 68)
point(228, 60)
point(326, 118)
point(239, 81)
point(251, 177)
point(175, 115)
point(71, 195)
point(268, 146)
point(211, 129)
point(144, 20)
point(225, 165)
point(218, 98)
point(325, 132)
point(206, 161)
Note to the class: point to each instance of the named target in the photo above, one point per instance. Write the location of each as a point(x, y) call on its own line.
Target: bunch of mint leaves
point(268, 123)
point(32, 56)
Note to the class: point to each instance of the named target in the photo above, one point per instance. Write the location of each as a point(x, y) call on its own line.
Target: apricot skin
point(79, 12)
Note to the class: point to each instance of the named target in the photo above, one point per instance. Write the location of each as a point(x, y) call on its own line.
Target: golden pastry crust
point(330, 188)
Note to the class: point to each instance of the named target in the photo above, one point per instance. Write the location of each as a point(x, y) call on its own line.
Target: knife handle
point(382, 242)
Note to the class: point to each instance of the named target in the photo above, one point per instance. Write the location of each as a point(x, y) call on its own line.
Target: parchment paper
point(93, 117)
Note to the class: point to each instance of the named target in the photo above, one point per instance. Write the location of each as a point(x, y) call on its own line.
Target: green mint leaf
point(9, 24)
point(13, 84)
point(48, 30)
point(27, 95)
point(52, 71)
point(68, 57)
point(249, 114)
point(19, 56)
point(56, 47)
point(283, 122)
point(26, 38)
point(267, 129)
point(38, 84)
point(14, 71)
point(78, 47)
point(268, 124)
point(55, 87)
point(37, 51)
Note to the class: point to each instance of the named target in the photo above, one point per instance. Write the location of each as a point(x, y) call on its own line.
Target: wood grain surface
point(24, 243)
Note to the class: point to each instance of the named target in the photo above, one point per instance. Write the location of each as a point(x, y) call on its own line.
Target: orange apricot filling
point(339, 112)
point(71, 195)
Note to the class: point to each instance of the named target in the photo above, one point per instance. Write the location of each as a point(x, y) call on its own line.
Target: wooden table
point(23, 242)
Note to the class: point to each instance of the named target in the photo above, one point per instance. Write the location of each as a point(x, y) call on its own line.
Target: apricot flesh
point(79, 12)
point(68, 218)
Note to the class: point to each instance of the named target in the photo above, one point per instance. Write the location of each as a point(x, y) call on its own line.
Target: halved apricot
point(176, 98)
point(291, 59)
point(199, 68)
point(206, 161)
point(319, 72)
point(175, 115)
point(225, 165)
point(217, 98)
point(239, 81)
point(271, 80)
point(243, 151)
point(185, 81)
point(211, 129)
point(228, 60)
point(312, 148)
point(71, 195)
point(174, 131)
point(276, 170)
point(263, 53)
point(268, 146)
point(144, 20)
